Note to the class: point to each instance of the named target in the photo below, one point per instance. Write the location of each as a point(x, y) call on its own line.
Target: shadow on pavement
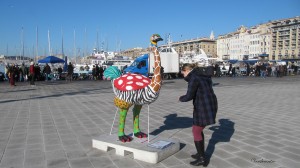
point(19, 90)
point(63, 93)
point(222, 133)
point(173, 122)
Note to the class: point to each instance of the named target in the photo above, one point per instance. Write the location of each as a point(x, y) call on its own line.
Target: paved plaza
point(52, 125)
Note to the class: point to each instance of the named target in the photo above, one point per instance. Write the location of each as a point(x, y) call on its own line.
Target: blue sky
point(125, 24)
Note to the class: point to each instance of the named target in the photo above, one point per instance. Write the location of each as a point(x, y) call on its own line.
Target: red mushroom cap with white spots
point(130, 81)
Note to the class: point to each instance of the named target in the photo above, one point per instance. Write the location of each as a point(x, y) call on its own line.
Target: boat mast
point(37, 42)
point(22, 42)
point(62, 43)
point(75, 46)
point(169, 40)
point(97, 45)
point(49, 44)
point(85, 41)
point(6, 49)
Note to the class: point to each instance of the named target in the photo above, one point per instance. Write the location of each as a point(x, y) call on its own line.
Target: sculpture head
point(155, 38)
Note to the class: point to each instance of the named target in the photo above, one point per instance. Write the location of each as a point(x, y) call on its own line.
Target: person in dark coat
point(229, 70)
point(70, 72)
point(47, 71)
point(59, 71)
point(101, 71)
point(205, 106)
point(248, 69)
point(97, 72)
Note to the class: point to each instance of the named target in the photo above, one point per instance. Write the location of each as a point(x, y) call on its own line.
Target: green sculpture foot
point(125, 138)
point(140, 135)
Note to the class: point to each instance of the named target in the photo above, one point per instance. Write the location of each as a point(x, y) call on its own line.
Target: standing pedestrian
point(205, 107)
point(94, 72)
point(70, 72)
point(59, 71)
point(101, 71)
point(229, 70)
point(263, 69)
point(97, 72)
point(22, 73)
point(6, 70)
point(47, 71)
point(11, 75)
point(248, 69)
point(32, 73)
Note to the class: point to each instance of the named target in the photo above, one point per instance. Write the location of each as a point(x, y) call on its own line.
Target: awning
point(264, 55)
point(251, 62)
point(233, 61)
point(291, 60)
point(51, 59)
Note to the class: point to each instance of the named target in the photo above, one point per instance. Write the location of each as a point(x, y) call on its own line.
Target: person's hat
point(31, 63)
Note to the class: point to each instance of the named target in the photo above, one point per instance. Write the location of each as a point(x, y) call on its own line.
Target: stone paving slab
point(52, 125)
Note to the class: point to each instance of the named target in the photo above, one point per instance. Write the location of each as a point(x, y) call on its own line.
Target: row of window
point(286, 52)
point(200, 46)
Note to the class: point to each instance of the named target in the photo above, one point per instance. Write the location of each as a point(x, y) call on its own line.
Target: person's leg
point(199, 144)
point(31, 79)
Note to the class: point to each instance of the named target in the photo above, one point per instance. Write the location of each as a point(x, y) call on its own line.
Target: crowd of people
point(34, 72)
point(97, 72)
point(260, 69)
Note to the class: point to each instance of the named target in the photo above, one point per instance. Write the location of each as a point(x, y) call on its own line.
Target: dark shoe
point(200, 161)
point(200, 156)
point(195, 156)
point(197, 143)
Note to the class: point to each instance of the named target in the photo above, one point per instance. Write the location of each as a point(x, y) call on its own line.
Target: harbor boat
point(104, 59)
point(201, 58)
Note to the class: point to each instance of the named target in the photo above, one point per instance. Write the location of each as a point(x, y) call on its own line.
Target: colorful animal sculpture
point(135, 89)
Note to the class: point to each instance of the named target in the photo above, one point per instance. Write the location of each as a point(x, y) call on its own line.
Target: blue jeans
point(263, 74)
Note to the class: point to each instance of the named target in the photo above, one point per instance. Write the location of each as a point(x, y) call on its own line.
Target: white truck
point(145, 64)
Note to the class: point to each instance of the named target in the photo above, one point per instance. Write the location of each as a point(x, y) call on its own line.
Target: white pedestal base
point(140, 148)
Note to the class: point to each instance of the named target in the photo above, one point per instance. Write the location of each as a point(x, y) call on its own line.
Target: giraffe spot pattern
point(121, 104)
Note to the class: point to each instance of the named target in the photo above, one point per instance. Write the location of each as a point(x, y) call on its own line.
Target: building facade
point(134, 52)
point(275, 40)
point(245, 43)
point(208, 45)
point(285, 39)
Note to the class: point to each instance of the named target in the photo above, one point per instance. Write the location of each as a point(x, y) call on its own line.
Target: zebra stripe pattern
point(139, 97)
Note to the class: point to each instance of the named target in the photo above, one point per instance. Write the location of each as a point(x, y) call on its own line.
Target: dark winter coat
point(47, 69)
point(70, 69)
point(204, 99)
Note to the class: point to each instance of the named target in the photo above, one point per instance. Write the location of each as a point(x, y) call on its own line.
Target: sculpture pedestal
point(155, 151)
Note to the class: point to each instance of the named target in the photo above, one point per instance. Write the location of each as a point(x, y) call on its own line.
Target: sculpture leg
point(123, 107)
point(136, 122)
point(122, 120)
